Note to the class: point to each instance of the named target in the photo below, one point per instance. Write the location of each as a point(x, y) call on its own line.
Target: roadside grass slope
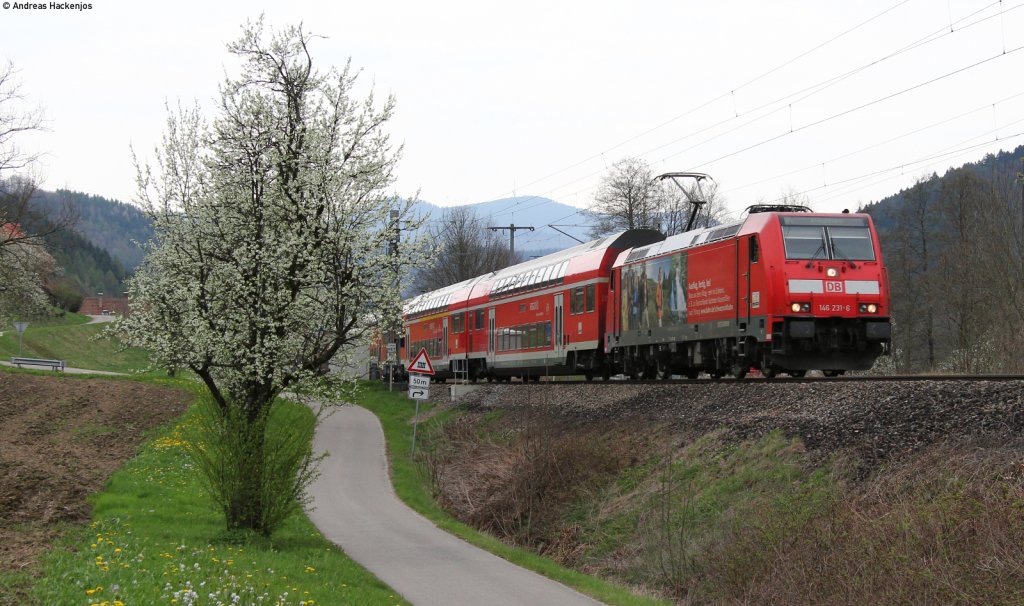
point(81, 345)
point(412, 481)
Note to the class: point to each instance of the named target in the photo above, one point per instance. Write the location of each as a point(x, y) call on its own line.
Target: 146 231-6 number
point(826, 307)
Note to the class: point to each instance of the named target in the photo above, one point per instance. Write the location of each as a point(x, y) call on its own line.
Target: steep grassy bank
point(715, 515)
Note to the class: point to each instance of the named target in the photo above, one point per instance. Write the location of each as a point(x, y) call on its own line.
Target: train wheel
point(589, 375)
point(738, 371)
point(691, 374)
point(797, 374)
point(832, 373)
point(664, 372)
point(716, 374)
point(768, 372)
point(606, 373)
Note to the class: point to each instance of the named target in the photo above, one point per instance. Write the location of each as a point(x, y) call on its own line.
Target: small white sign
point(419, 381)
point(391, 349)
point(419, 393)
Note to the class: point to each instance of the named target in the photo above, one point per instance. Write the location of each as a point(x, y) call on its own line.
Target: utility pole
point(397, 227)
point(511, 236)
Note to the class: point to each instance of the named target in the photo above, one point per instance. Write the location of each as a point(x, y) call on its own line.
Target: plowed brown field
point(61, 439)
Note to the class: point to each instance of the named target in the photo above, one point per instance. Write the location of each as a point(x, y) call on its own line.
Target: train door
point(558, 335)
point(743, 250)
point(444, 337)
point(492, 336)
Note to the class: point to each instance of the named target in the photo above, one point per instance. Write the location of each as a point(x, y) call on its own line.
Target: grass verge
point(156, 538)
point(79, 344)
point(395, 412)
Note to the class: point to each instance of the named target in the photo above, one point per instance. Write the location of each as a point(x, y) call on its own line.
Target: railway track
point(763, 381)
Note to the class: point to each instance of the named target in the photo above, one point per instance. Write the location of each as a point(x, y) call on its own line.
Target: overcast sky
point(540, 97)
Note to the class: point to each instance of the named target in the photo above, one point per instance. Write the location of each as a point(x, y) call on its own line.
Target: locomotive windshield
point(841, 238)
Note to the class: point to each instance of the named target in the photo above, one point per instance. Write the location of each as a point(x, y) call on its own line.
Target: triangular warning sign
point(421, 363)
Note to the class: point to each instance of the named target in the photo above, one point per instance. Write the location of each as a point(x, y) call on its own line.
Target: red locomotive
point(779, 291)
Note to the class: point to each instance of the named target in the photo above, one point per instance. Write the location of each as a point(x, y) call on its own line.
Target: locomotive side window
point(851, 243)
point(754, 252)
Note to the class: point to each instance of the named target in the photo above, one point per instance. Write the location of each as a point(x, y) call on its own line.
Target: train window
point(457, 323)
point(547, 334)
point(804, 242)
point(851, 243)
point(576, 301)
point(590, 297)
point(531, 336)
point(479, 319)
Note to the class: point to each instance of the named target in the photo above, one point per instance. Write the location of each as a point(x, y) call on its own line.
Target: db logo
point(833, 286)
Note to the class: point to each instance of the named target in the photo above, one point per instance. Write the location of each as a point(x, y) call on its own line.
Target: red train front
point(778, 291)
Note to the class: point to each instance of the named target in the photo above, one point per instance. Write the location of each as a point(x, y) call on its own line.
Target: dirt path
point(62, 438)
point(356, 508)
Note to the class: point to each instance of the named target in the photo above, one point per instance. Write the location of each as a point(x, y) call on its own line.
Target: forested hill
point(83, 267)
point(952, 245)
point(110, 225)
point(999, 171)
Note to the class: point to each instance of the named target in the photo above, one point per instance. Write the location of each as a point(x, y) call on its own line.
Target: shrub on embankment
point(729, 517)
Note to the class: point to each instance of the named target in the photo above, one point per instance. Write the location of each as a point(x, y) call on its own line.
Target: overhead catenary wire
point(806, 92)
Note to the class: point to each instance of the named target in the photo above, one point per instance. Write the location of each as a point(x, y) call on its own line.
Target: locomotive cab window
point(841, 238)
point(851, 243)
point(804, 242)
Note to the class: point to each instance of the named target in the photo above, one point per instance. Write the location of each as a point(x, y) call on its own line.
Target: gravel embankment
point(877, 420)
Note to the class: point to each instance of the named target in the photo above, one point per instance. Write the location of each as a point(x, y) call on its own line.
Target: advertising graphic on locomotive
point(778, 291)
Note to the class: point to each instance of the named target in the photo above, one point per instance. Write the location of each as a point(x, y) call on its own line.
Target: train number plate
point(826, 307)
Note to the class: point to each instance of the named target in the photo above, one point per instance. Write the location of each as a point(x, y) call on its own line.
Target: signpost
point(392, 358)
point(20, 327)
point(419, 386)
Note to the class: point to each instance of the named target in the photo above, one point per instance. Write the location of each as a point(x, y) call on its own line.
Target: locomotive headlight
point(800, 307)
point(868, 308)
point(795, 307)
point(872, 308)
point(831, 272)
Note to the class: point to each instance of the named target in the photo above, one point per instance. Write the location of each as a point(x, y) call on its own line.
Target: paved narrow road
point(356, 507)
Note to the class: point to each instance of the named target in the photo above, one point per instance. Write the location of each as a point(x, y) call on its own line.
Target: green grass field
point(156, 539)
point(81, 345)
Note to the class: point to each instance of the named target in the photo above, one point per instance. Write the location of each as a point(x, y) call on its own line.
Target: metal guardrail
point(54, 364)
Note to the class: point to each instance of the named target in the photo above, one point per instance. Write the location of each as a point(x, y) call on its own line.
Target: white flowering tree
point(271, 253)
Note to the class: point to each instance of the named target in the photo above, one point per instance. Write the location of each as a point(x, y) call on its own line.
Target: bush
point(255, 476)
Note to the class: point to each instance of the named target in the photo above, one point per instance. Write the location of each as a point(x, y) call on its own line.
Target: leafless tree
point(464, 248)
point(628, 198)
point(911, 264)
point(18, 169)
point(964, 298)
